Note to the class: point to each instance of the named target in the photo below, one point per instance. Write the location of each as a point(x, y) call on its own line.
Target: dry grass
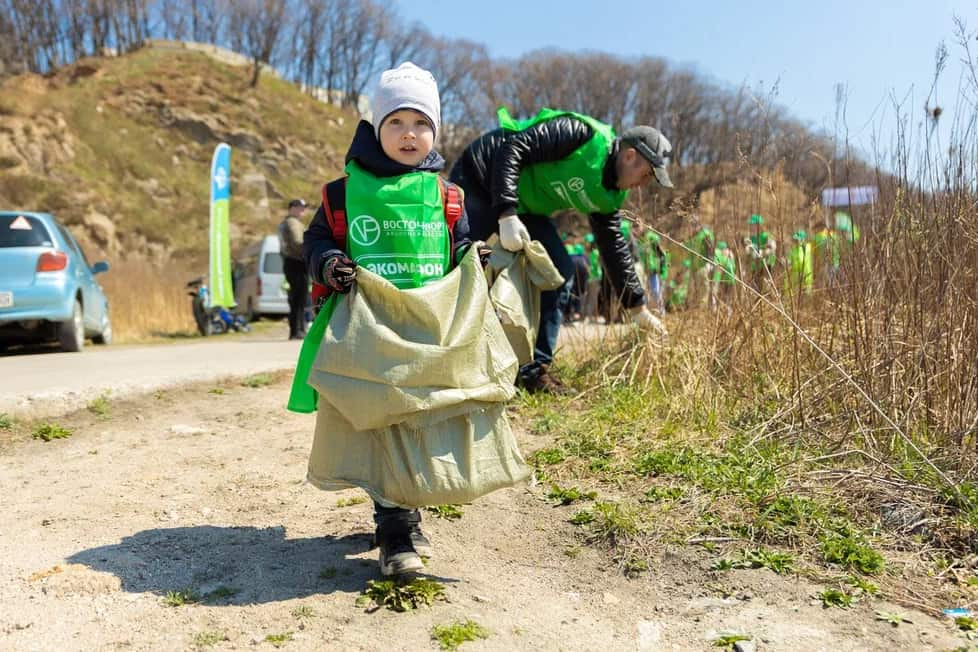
point(148, 302)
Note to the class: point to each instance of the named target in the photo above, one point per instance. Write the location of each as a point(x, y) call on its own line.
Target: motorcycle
point(212, 320)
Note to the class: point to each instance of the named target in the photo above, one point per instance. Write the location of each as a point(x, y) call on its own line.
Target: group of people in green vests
point(706, 270)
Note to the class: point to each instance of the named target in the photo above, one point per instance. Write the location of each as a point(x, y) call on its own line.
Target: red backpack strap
point(334, 205)
point(451, 198)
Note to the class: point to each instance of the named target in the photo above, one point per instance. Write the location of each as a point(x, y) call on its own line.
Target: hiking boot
point(397, 553)
point(420, 542)
point(542, 382)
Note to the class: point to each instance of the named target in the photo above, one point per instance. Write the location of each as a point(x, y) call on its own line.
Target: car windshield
point(23, 231)
point(273, 263)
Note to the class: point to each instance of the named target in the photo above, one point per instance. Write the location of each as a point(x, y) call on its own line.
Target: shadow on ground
point(234, 565)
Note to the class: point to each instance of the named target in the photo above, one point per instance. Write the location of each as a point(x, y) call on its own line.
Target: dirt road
point(201, 489)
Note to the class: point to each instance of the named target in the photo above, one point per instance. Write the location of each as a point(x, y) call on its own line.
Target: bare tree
point(256, 27)
point(364, 24)
point(175, 18)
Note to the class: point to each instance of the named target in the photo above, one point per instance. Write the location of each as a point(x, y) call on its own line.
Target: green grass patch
point(836, 598)
point(862, 585)
point(51, 431)
point(547, 457)
point(304, 611)
point(221, 593)
point(779, 562)
point(100, 406)
point(582, 517)
point(663, 494)
point(6, 421)
point(569, 495)
point(208, 638)
point(893, 619)
point(450, 637)
point(614, 523)
point(966, 623)
point(181, 598)
point(256, 381)
point(350, 502)
point(727, 640)
point(402, 596)
point(327, 572)
point(216, 390)
point(852, 552)
point(447, 512)
point(279, 640)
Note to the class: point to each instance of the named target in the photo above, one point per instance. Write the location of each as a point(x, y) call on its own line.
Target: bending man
point(516, 177)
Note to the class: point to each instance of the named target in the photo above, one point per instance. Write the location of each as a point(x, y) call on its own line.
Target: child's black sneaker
point(397, 553)
point(420, 542)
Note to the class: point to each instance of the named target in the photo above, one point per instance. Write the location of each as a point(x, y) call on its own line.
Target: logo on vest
point(576, 184)
point(364, 230)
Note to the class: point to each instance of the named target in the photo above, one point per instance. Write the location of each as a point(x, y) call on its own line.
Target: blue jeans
point(655, 290)
point(483, 222)
point(552, 302)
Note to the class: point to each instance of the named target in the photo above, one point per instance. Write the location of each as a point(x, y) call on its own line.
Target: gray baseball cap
point(654, 148)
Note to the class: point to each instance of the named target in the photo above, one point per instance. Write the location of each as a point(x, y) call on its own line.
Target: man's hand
point(339, 272)
point(512, 233)
point(645, 320)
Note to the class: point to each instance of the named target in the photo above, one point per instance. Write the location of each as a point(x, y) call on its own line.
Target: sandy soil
point(192, 489)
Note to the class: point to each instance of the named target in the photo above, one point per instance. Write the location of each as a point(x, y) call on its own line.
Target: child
point(384, 187)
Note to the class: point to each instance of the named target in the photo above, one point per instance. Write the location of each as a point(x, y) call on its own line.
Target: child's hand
point(485, 252)
point(339, 272)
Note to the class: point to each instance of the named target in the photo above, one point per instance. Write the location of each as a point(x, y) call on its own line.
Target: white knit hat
point(406, 87)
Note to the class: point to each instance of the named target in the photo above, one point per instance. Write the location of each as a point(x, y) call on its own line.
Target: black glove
point(484, 253)
point(339, 272)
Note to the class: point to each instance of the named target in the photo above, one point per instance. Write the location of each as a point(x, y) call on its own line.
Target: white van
point(259, 280)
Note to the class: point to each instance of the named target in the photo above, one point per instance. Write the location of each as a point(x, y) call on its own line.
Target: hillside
point(120, 149)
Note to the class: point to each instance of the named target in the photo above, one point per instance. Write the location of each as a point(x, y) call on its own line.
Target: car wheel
point(105, 337)
point(71, 333)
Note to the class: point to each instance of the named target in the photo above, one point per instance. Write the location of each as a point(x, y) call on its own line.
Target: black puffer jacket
point(319, 243)
point(490, 167)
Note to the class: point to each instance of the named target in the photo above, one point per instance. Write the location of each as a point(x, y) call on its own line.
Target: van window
point(273, 263)
point(23, 231)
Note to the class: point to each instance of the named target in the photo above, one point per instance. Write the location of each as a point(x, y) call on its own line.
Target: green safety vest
point(700, 243)
point(395, 228)
point(595, 273)
point(654, 263)
point(760, 241)
point(827, 247)
point(726, 269)
point(800, 271)
point(573, 182)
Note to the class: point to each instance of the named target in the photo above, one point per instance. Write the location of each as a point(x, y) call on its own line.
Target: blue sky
point(876, 49)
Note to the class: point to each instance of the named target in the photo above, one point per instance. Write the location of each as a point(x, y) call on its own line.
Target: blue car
point(48, 290)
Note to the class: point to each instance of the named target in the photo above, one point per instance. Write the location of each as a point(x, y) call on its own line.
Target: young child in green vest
point(395, 230)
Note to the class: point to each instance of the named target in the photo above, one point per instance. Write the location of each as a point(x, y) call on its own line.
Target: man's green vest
point(701, 243)
point(760, 241)
point(573, 182)
point(396, 226)
point(725, 270)
point(827, 248)
point(800, 272)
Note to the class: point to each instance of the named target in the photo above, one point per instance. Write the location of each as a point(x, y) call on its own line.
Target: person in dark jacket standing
point(517, 176)
point(290, 232)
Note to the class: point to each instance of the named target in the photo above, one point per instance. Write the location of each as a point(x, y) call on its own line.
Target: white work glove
point(644, 319)
point(512, 233)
